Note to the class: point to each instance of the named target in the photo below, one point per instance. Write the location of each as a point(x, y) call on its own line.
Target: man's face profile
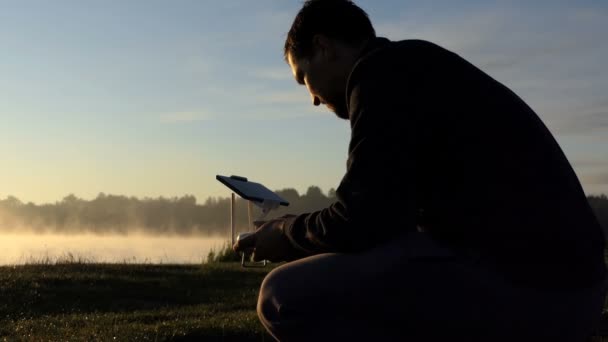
point(321, 77)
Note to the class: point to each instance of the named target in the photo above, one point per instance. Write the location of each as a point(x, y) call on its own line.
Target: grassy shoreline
point(79, 301)
point(128, 302)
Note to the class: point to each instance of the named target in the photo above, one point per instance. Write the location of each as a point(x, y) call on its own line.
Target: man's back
point(489, 177)
point(510, 249)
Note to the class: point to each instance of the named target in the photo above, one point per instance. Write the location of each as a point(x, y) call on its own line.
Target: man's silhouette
point(459, 218)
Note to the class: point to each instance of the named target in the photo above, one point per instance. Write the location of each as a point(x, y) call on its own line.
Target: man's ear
point(324, 46)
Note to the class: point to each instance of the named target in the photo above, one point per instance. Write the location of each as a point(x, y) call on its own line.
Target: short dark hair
point(338, 19)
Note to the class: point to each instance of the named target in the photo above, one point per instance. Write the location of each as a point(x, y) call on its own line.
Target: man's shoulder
point(414, 44)
point(400, 49)
point(387, 54)
point(393, 59)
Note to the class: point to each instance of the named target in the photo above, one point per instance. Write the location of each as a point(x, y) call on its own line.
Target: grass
point(79, 301)
point(74, 299)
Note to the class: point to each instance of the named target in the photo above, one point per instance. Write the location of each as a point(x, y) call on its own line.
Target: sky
point(154, 98)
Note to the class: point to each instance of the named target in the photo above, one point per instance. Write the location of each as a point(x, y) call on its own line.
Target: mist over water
point(22, 248)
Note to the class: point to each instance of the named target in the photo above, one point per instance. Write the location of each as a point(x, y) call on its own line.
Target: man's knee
point(272, 296)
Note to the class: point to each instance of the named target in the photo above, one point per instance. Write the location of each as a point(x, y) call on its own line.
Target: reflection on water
point(27, 248)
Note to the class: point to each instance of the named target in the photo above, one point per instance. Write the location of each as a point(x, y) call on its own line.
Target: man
point(459, 218)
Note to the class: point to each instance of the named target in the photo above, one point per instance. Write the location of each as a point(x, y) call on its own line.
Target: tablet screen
point(250, 190)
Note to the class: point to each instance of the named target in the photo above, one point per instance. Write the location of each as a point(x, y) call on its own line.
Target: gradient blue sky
point(151, 98)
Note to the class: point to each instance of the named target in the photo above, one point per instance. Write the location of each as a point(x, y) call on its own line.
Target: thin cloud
point(599, 178)
point(262, 26)
point(504, 37)
point(593, 164)
point(458, 31)
point(273, 74)
point(184, 117)
point(585, 119)
point(589, 123)
point(296, 96)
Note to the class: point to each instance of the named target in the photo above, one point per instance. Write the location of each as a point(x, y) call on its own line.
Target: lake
point(21, 248)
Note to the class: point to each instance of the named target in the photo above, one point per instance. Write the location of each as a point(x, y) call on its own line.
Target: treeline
point(599, 204)
point(112, 214)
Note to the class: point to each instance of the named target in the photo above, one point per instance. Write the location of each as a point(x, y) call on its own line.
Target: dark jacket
point(439, 144)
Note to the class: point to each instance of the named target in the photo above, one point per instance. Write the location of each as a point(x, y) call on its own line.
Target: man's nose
point(315, 100)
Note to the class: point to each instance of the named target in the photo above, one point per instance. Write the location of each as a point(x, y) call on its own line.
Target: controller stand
point(255, 194)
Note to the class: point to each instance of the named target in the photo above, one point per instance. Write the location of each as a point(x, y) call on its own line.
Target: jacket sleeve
point(376, 197)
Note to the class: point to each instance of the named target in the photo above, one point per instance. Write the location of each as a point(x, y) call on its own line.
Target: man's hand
point(268, 241)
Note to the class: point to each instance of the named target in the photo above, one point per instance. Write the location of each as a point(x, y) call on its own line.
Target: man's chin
point(341, 113)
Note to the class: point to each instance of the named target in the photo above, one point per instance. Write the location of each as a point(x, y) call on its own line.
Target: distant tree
point(11, 201)
point(177, 215)
point(109, 213)
point(290, 195)
point(599, 204)
point(331, 193)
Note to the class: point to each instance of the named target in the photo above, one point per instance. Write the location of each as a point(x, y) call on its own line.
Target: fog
point(118, 214)
point(120, 229)
point(117, 229)
point(23, 248)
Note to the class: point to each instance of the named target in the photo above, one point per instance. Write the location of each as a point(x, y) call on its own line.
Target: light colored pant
point(412, 289)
